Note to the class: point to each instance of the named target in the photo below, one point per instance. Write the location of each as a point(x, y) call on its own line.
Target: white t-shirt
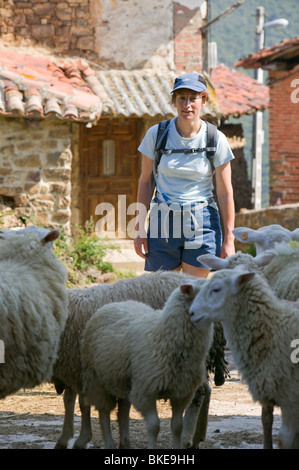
point(185, 178)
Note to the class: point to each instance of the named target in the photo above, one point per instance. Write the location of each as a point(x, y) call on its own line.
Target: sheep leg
point(85, 432)
point(123, 422)
point(177, 422)
point(104, 418)
point(189, 424)
point(203, 416)
point(152, 422)
point(267, 421)
point(69, 398)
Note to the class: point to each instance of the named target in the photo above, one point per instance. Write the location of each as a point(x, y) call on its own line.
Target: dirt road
point(32, 419)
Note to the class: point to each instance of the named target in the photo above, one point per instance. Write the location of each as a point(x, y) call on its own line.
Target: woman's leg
point(194, 270)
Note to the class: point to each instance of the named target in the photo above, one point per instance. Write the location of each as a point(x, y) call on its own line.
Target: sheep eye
point(216, 289)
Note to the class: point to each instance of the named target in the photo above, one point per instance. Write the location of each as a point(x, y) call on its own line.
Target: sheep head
point(266, 237)
point(212, 301)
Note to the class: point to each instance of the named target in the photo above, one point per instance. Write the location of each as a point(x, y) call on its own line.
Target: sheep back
point(33, 308)
point(149, 352)
point(152, 289)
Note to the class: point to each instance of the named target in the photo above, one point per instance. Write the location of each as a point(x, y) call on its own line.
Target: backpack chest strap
point(187, 151)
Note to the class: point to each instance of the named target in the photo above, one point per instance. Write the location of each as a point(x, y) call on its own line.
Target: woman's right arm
point(144, 196)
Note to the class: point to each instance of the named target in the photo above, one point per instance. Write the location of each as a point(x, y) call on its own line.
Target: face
point(212, 301)
point(188, 103)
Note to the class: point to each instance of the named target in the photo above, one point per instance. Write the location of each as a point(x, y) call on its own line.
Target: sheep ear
point(51, 236)
point(265, 258)
point(212, 261)
point(187, 287)
point(246, 235)
point(240, 279)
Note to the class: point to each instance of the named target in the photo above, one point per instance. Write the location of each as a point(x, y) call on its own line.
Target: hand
point(227, 249)
point(141, 246)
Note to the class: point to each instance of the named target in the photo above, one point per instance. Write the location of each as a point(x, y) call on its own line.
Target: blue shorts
point(176, 237)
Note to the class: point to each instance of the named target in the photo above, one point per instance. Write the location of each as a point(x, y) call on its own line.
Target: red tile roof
point(36, 85)
point(32, 85)
point(238, 93)
point(286, 50)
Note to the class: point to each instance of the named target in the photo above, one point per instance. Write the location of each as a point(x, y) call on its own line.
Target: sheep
point(269, 263)
point(136, 354)
point(33, 307)
point(280, 268)
point(266, 237)
point(152, 289)
point(260, 329)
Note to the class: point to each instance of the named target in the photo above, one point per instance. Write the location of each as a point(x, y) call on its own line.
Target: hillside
point(235, 37)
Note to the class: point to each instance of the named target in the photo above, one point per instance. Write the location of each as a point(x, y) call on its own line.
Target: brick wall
point(187, 38)
point(284, 137)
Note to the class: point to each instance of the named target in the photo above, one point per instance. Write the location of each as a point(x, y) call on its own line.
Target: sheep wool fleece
point(136, 352)
point(33, 307)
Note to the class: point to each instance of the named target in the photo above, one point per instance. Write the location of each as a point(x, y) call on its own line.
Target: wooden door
point(110, 172)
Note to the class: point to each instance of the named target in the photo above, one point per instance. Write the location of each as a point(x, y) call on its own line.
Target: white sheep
point(280, 267)
point(33, 307)
point(270, 263)
point(152, 289)
point(260, 329)
point(265, 237)
point(136, 354)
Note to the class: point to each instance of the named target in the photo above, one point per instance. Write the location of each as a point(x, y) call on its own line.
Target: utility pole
point(257, 126)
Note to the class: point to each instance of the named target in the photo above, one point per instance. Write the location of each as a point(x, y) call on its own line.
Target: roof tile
point(284, 50)
point(64, 89)
point(70, 89)
point(238, 93)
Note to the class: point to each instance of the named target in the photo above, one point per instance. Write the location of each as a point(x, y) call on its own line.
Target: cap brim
point(199, 88)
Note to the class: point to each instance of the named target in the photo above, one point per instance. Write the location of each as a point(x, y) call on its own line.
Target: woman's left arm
point(225, 198)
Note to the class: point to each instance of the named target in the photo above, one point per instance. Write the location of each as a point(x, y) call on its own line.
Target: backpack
point(162, 139)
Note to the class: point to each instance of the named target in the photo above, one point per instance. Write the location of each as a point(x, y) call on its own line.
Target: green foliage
point(83, 255)
point(85, 250)
point(251, 250)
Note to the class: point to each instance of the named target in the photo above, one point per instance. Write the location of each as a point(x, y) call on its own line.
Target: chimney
point(188, 44)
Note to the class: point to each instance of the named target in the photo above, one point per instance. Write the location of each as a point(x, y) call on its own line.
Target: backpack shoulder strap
point(160, 144)
point(161, 140)
point(211, 143)
point(211, 139)
point(162, 134)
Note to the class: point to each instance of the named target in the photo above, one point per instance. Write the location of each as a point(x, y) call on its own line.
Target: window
point(108, 157)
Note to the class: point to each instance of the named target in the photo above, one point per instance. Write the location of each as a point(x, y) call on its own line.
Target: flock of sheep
point(155, 336)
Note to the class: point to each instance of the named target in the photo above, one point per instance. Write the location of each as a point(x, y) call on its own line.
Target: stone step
point(124, 258)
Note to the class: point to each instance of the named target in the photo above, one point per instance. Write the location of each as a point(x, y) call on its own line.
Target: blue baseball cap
point(192, 81)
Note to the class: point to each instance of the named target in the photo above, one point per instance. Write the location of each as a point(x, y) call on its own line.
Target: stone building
point(282, 63)
point(80, 82)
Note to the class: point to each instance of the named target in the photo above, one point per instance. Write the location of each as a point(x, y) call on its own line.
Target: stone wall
point(67, 26)
point(286, 215)
point(117, 34)
point(35, 169)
